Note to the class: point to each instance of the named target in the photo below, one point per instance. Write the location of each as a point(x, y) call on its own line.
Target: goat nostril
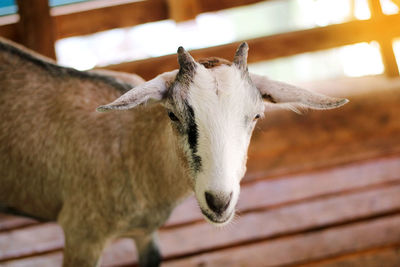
point(210, 201)
point(217, 204)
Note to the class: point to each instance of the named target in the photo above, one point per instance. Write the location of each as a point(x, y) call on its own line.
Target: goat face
point(214, 110)
point(213, 107)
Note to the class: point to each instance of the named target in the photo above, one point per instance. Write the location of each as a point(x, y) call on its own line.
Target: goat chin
point(219, 223)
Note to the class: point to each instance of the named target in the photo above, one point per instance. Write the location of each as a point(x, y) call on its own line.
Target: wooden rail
point(280, 45)
point(89, 17)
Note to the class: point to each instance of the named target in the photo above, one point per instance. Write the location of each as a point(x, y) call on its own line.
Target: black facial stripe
point(193, 136)
point(192, 130)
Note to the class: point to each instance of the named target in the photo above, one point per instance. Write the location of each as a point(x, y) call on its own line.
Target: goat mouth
point(215, 220)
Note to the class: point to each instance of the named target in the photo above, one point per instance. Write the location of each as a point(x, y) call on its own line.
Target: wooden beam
point(183, 10)
point(280, 45)
point(36, 27)
point(386, 43)
point(103, 15)
point(94, 16)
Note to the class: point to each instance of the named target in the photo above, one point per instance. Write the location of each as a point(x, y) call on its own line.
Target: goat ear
point(151, 91)
point(290, 96)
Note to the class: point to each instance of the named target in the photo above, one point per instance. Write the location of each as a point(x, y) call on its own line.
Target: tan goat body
point(107, 175)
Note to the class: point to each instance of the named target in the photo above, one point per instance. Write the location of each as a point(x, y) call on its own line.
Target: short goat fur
point(104, 175)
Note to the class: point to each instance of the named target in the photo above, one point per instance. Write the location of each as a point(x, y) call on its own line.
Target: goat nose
point(218, 202)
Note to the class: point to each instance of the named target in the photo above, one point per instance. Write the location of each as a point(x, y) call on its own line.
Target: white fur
point(221, 100)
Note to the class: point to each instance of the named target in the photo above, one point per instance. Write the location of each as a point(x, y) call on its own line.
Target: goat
point(106, 175)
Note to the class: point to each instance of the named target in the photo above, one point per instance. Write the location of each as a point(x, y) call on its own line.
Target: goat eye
point(257, 117)
point(172, 116)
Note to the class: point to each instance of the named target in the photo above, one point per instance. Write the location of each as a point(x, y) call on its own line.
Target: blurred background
point(76, 46)
point(322, 188)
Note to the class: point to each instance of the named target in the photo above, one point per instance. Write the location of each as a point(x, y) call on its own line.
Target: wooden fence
point(38, 26)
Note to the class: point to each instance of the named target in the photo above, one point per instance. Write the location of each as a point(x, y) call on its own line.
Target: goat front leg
point(82, 253)
point(147, 247)
point(84, 239)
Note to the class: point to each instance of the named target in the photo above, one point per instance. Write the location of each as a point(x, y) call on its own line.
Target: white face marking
point(225, 104)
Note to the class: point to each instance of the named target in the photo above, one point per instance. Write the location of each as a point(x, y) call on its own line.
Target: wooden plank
point(270, 193)
point(387, 257)
point(36, 27)
point(53, 259)
point(8, 222)
point(251, 227)
point(303, 247)
point(91, 17)
point(383, 257)
point(279, 45)
point(29, 241)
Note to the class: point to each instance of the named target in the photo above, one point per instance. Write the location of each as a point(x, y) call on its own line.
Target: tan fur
point(212, 62)
point(100, 175)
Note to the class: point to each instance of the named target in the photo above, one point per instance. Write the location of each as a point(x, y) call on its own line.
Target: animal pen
point(321, 189)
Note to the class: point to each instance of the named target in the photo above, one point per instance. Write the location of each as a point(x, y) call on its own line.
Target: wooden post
point(35, 27)
point(181, 10)
point(386, 44)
